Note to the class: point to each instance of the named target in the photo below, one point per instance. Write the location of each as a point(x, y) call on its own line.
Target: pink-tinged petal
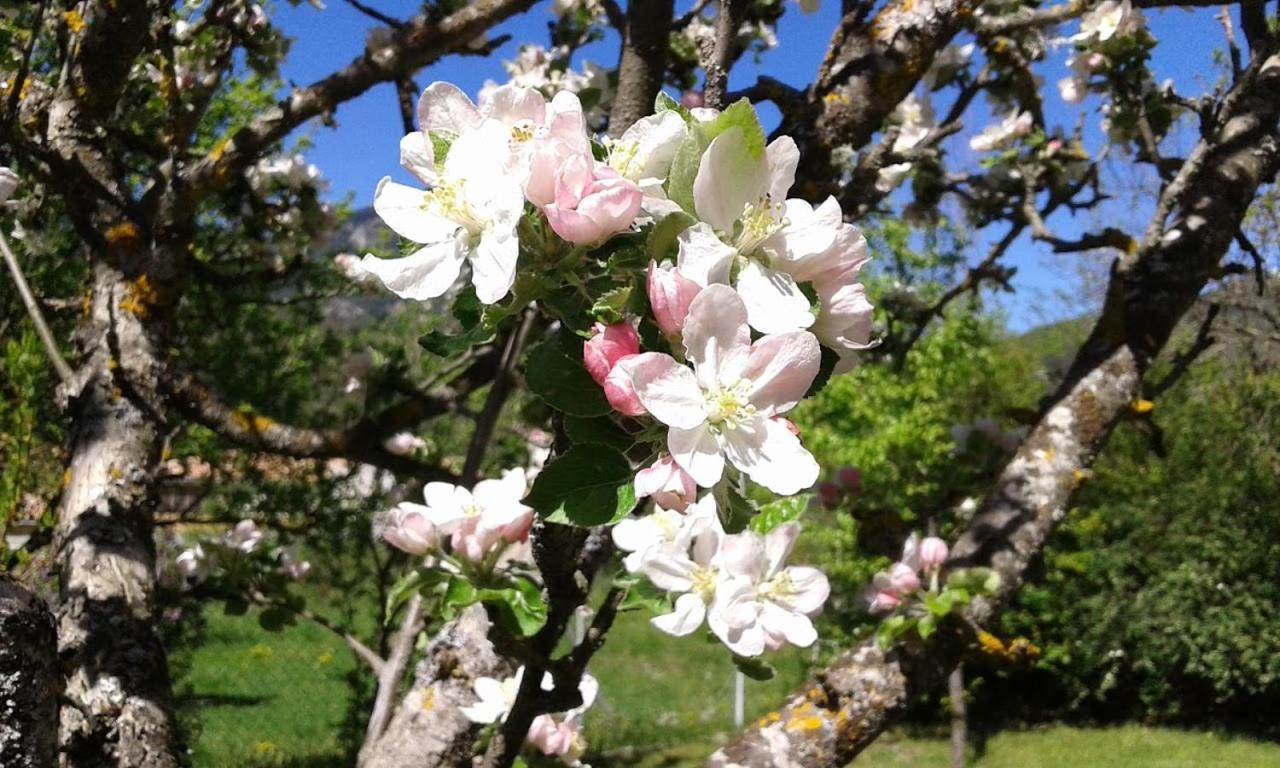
point(403, 208)
point(620, 391)
point(573, 180)
point(903, 578)
point(688, 615)
point(607, 345)
point(783, 157)
point(670, 571)
point(670, 294)
point(668, 390)
point(493, 265)
point(698, 452)
point(810, 589)
point(715, 331)
point(443, 107)
point(795, 627)
point(424, 274)
point(513, 103)
point(612, 203)
point(775, 304)
point(728, 179)
point(781, 368)
point(418, 157)
point(702, 256)
point(574, 227)
point(771, 456)
point(911, 552)
point(669, 485)
point(933, 553)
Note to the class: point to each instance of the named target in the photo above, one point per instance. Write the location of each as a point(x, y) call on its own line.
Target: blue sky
point(363, 146)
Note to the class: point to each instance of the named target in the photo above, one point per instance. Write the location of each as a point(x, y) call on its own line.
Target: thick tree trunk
point(30, 681)
point(642, 63)
point(117, 709)
point(428, 727)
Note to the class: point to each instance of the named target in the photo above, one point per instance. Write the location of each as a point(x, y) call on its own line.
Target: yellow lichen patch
point(240, 420)
point(1142, 406)
point(990, 643)
point(429, 698)
point(124, 235)
point(112, 363)
point(1131, 247)
point(808, 723)
point(66, 477)
point(835, 96)
point(86, 303)
point(140, 297)
point(115, 474)
point(261, 423)
point(74, 21)
point(216, 153)
point(116, 394)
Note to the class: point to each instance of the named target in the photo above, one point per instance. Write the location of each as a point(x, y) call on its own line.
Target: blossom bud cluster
point(920, 558)
point(244, 543)
point(557, 734)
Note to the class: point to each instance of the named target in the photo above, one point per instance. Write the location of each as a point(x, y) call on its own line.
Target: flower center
point(729, 406)
point(521, 132)
point(622, 158)
point(472, 510)
point(779, 588)
point(758, 222)
point(704, 580)
point(448, 201)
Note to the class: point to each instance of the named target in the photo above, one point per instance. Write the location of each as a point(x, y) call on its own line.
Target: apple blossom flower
point(903, 578)
point(292, 567)
point(245, 536)
point(915, 121)
point(563, 137)
point(669, 485)
point(608, 344)
point(517, 113)
point(620, 390)
point(689, 568)
point(470, 215)
point(592, 201)
point(724, 407)
point(881, 596)
point(740, 203)
point(478, 519)
point(404, 444)
point(8, 183)
point(765, 605)
point(933, 553)
point(662, 531)
point(408, 529)
point(191, 562)
point(1001, 135)
point(643, 154)
point(670, 294)
point(1108, 19)
point(494, 698)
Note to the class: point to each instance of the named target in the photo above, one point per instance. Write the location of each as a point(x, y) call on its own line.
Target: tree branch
point(642, 63)
point(418, 43)
point(47, 340)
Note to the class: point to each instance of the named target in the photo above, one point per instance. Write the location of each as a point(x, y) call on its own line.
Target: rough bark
point(871, 65)
point(30, 680)
point(642, 63)
point(117, 709)
point(844, 707)
point(429, 728)
point(959, 717)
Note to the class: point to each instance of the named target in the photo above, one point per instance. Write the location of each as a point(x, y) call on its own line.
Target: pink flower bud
point(620, 390)
point(669, 485)
point(829, 494)
point(550, 737)
point(670, 294)
point(903, 579)
point(608, 345)
point(883, 601)
point(933, 553)
point(850, 478)
point(517, 530)
point(591, 203)
point(692, 99)
point(410, 531)
point(473, 541)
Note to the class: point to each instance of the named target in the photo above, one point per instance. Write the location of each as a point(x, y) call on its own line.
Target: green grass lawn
point(282, 699)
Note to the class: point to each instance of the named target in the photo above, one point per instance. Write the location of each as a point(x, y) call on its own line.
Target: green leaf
point(555, 373)
point(407, 585)
point(980, 581)
point(741, 115)
point(735, 512)
point(664, 103)
point(776, 513)
point(459, 593)
point(684, 168)
point(890, 630)
point(662, 239)
point(588, 485)
point(609, 307)
point(926, 626)
point(600, 430)
point(468, 311)
point(754, 668)
point(520, 608)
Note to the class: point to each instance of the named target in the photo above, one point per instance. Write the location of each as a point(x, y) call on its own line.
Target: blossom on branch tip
point(408, 529)
point(592, 202)
point(724, 407)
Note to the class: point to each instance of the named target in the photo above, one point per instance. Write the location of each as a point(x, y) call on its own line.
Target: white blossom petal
point(774, 302)
point(770, 455)
point(667, 389)
point(424, 274)
point(688, 615)
point(698, 451)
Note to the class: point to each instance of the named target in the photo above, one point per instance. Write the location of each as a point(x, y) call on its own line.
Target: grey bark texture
point(842, 709)
point(30, 680)
point(642, 63)
point(428, 727)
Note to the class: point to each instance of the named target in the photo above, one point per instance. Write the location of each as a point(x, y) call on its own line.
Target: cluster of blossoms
point(920, 558)
point(484, 527)
point(736, 583)
point(245, 544)
point(1111, 20)
point(547, 72)
point(915, 120)
point(556, 735)
point(1001, 135)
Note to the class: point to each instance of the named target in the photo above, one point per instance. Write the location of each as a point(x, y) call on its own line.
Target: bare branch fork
point(29, 301)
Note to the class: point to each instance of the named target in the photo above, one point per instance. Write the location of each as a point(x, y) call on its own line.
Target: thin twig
point(376, 15)
point(1182, 363)
point(366, 654)
point(37, 316)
